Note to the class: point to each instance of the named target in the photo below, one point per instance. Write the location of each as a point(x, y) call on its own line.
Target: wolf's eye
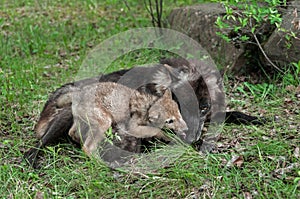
point(169, 121)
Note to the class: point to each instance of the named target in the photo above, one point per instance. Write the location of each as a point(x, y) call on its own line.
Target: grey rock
point(276, 48)
point(198, 22)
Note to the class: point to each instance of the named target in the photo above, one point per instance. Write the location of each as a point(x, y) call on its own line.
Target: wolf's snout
point(185, 129)
point(182, 135)
point(184, 126)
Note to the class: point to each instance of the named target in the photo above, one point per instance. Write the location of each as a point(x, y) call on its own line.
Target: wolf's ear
point(167, 94)
point(162, 79)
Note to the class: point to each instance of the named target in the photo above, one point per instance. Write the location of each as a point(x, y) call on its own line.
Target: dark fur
point(56, 117)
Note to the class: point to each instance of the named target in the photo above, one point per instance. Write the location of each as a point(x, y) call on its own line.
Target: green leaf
point(223, 36)
point(245, 38)
point(236, 28)
point(245, 21)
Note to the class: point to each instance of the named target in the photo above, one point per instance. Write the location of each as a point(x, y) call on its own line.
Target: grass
point(42, 47)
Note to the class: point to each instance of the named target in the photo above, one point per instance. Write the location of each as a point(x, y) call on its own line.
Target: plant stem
point(265, 55)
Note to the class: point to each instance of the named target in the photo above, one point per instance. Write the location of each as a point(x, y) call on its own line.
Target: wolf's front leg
point(96, 134)
point(140, 131)
point(90, 129)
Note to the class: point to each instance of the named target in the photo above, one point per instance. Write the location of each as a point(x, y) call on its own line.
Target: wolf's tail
point(57, 128)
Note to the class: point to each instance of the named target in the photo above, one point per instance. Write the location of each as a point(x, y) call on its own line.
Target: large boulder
point(198, 22)
point(276, 46)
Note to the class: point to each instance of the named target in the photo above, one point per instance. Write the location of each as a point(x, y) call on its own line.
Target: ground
point(42, 47)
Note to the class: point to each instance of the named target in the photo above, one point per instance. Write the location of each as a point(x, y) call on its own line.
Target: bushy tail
point(58, 127)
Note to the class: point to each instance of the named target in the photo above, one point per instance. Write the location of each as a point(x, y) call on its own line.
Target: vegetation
point(42, 47)
point(246, 21)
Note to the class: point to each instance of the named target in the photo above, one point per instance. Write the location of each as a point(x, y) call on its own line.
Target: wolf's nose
point(182, 135)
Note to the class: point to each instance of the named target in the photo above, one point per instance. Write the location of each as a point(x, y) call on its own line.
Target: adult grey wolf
point(56, 118)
